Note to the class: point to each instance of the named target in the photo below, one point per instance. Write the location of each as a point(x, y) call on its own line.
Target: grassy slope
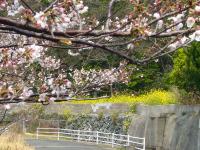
point(13, 142)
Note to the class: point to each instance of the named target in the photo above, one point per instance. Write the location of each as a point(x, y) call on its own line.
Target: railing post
point(128, 139)
point(144, 144)
point(58, 134)
point(78, 135)
point(113, 139)
point(90, 135)
point(97, 140)
point(37, 134)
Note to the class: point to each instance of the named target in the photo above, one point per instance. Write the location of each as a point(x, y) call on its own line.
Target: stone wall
point(172, 127)
point(107, 117)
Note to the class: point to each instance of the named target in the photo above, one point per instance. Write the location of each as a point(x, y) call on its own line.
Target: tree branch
point(28, 6)
point(50, 6)
point(67, 34)
point(109, 14)
point(77, 41)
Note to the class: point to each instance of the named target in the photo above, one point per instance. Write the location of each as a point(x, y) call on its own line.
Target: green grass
point(157, 97)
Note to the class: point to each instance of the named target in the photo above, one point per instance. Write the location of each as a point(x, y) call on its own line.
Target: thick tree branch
point(173, 33)
point(68, 34)
point(77, 41)
point(44, 45)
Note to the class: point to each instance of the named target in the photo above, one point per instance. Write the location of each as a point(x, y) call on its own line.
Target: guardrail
point(93, 136)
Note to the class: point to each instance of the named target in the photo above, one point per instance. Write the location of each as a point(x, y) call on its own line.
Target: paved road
point(63, 145)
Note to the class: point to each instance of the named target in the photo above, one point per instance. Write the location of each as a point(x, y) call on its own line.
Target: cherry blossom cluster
point(3, 4)
point(139, 22)
point(59, 86)
point(20, 78)
point(62, 16)
point(60, 19)
point(18, 70)
point(98, 78)
point(177, 21)
point(118, 23)
point(15, 8)
point(27, 69)
point(182, 20)
point(13, 57)
point(50, 63)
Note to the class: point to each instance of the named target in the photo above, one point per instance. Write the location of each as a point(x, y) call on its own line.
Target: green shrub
point(186, 72)
point(67, 114)
point(126, 124)
point(133, 108)
point(100, 116)
point(114, 117)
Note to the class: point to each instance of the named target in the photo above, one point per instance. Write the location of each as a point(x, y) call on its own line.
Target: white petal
point(130, 46)
point(183, 40)
point(160, 24)
point(7, 106)
point(197, 35)
point(197, 38)
point(156, 15)
point(192, 36)
point(197, 9)
point(179, 26)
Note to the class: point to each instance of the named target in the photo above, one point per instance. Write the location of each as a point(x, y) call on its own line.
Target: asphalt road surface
point(64, 145)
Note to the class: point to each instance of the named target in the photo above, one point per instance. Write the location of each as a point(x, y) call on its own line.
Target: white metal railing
point(93, 136)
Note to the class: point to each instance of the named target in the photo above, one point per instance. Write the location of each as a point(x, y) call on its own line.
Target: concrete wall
point(172, 127)
point(106, 108)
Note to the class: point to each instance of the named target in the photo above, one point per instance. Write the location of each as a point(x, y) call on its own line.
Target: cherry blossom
point(73, 54)
point(42, 97)
point(160, 24)
point(15, 8)
point(197, 9)
point(27, 92)
point(101, 77)
point(3, 4)
point(41, 20)
point(50, 63)
point(195, 36)
point(190, 22)
point(108, 38)
point(35, 51)
point(130, 46)
point(179, 26)
point(184, 40)
point(7, 106)
point(156, 15)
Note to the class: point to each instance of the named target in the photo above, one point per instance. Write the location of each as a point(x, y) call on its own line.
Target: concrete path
point(64, 145)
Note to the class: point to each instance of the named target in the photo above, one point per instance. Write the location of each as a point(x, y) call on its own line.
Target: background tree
point(186, 72)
